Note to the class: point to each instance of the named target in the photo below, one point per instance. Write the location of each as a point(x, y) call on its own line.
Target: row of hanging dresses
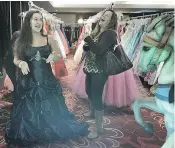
point(132, 37)
point(72, 33)
point(59, 68)
point(63, 31)
point(79, 47)
point(132, 41)
point(120, 90)
point(142, 53)
point(76, 31)
point(79, 52)
point(68, 31)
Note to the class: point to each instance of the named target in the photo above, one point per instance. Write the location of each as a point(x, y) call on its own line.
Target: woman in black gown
point(39, 112)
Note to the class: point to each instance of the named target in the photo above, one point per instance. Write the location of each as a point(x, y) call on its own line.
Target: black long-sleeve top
point(94, 50)
point(106, 41)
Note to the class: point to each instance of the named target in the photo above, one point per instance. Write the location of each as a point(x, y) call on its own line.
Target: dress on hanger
point(59, 67)
point(39, 113)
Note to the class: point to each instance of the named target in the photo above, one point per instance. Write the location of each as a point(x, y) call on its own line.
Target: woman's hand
point(50, 58)
point(56, 54)
point(84, 35)
point(53, 57)
point(24, 67)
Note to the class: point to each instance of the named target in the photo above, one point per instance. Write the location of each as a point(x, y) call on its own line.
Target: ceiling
point(89, 8)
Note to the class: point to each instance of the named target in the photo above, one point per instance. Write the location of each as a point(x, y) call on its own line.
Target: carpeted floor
point(121, 130)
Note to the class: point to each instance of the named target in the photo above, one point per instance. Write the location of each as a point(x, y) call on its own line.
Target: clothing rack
point(10, 19)
point(145, 16)
point(33, 6)
point(72, 25)
point(21, 11)
point(156, 14)
point(170, 12)
point(111, 6)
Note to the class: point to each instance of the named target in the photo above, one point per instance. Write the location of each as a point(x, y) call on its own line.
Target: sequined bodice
point(38, 53)
point(40, 71)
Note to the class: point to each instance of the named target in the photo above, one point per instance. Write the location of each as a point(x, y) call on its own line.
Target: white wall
point(67, 18)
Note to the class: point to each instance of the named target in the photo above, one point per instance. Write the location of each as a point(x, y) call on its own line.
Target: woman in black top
point(102, 39)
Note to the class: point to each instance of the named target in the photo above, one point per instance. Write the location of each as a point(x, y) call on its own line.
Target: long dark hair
point(112, 25)
point(15, 36)
point(25, 38)
point(113, 22)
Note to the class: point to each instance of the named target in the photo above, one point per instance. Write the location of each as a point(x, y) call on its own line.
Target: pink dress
point(120, 90)
point(8, 83)
point(78, 85)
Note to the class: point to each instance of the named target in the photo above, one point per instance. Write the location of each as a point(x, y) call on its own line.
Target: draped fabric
point(6, 54)
point(4, 29)
point(59, 68)
point(67, 50)
point(15, 18)
point(68, 33)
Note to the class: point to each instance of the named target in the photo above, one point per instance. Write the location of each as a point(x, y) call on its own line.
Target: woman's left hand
point(84, 35)
point(50, 58)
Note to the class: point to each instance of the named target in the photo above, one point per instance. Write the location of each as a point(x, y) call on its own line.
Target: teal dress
point(40, 114)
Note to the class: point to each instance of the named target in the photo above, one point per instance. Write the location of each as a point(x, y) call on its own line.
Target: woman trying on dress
point(39, 113)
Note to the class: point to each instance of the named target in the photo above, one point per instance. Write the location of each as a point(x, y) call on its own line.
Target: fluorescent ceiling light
point(63, 3)
point(57, 3)
point(75, 2)
point(118, 3)
point(150, 2)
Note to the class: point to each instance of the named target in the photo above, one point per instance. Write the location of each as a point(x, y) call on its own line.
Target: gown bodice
point(33, 52)
point(40, 71)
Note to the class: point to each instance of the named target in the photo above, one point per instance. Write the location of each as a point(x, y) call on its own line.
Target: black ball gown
point(39, 112)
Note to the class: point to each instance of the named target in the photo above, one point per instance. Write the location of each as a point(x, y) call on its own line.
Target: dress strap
point(47, 40)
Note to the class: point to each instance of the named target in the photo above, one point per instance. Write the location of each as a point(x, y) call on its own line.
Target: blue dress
point(39, 112)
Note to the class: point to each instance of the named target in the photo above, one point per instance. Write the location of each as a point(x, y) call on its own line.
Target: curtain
point(16, 20)
point(6, 54)
point(4, 29)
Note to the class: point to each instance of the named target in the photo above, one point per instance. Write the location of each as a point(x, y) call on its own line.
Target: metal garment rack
point(150, 15)
point(33, 6)
point(10, 19)
point(111, 6)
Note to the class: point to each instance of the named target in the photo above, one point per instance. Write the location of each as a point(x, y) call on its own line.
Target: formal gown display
point(39, 112)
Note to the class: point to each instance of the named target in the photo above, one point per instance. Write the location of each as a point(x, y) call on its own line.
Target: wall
point(73, 17)
point(67, 18)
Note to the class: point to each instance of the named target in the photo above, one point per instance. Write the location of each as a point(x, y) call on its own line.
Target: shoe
point(98, 129)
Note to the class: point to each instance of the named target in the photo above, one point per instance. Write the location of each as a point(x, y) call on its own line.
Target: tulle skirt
point(120, 90)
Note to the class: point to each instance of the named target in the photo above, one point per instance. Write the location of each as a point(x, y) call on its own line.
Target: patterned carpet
point(121, 130)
